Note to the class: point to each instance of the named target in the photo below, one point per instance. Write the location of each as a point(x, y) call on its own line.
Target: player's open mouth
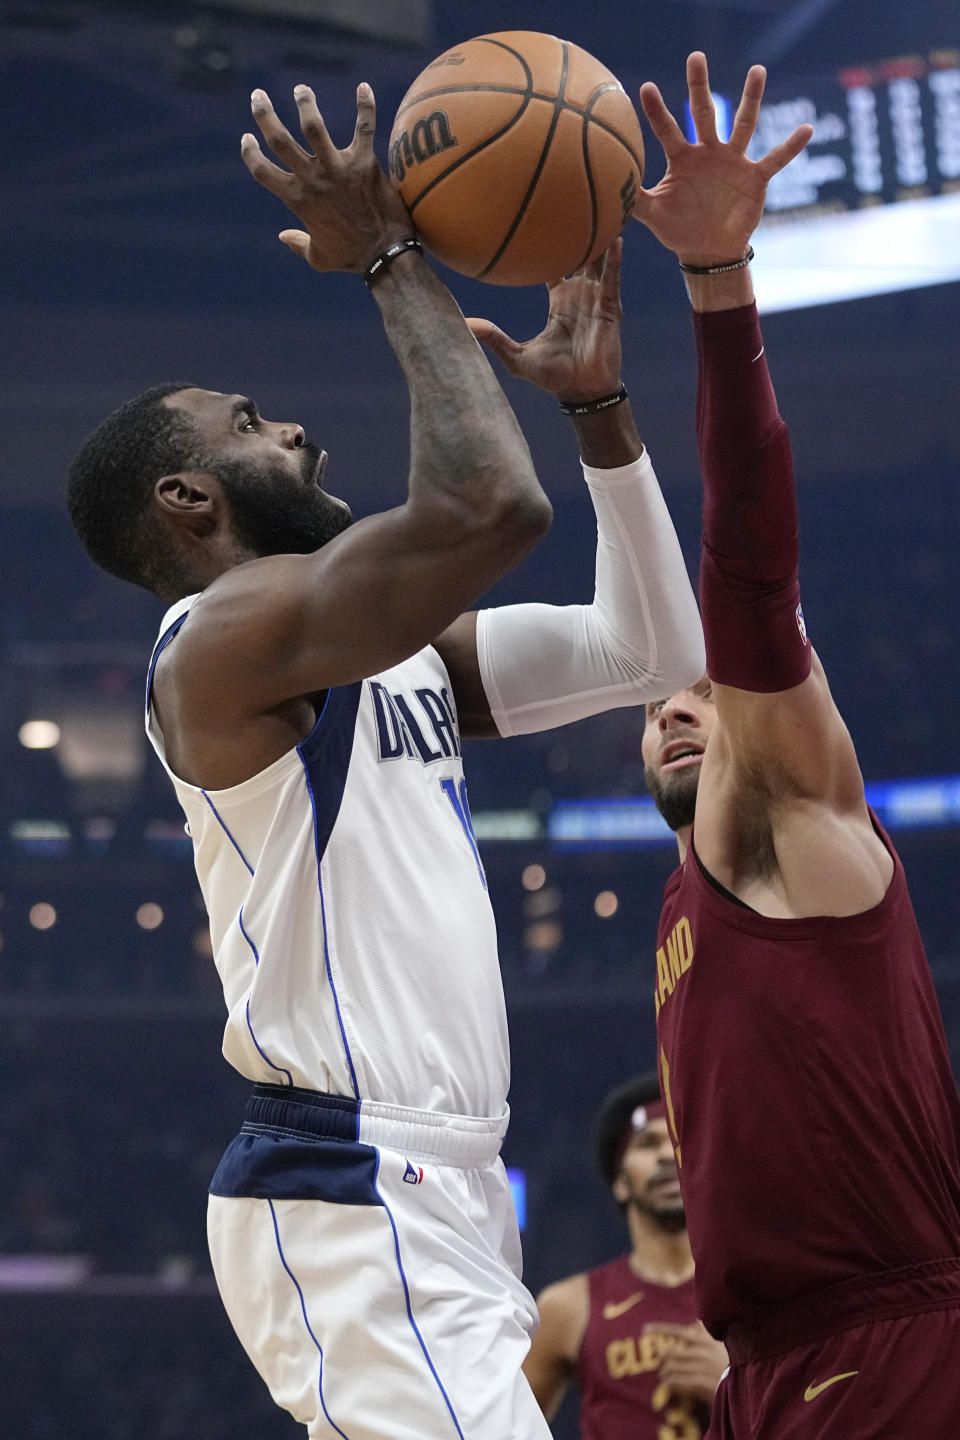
point(321, 469)
point(678, 757)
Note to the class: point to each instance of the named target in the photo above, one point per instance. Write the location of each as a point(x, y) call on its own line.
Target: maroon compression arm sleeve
point(749, 588)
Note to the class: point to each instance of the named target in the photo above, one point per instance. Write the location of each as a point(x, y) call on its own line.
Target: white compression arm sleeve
point(641, 639)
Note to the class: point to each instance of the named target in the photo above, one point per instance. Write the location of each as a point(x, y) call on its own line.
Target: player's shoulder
point(568, 1285)
point(562, 1296)
point(242, 614)
point(564, 1308)
point(259, 586)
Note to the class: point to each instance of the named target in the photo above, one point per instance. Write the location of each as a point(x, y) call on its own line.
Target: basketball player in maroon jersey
point(627, 1330)
point(802, 1056)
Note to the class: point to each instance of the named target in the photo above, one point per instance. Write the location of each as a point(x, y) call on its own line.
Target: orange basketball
point(519, 156)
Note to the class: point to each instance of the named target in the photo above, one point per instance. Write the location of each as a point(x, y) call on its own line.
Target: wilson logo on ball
point(428, 137)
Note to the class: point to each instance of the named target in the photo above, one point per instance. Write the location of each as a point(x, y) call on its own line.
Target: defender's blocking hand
point(711, 198)
point(351, 211)
point(577, 354)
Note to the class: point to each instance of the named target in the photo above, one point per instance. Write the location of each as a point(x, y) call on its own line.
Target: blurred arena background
point(136, 249)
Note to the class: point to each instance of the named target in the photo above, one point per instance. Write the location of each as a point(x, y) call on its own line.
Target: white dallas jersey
point(348, 907)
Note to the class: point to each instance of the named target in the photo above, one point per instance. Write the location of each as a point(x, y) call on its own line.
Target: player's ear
point(190, 497)
point(621, 1190)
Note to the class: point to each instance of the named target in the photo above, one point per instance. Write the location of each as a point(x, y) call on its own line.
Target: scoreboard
point(882, 133)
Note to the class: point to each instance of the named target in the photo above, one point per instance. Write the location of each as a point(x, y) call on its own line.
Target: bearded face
point(277, 511)
point(675, 737)
point(675, 795)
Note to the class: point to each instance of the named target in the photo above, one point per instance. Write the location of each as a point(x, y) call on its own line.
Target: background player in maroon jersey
point(627, 1330)
point(802, 1057)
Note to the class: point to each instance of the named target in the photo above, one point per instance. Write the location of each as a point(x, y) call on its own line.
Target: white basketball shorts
point(369, 1260)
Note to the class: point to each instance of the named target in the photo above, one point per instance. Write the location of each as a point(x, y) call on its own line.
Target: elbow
point(515, 519)
point(527, 518)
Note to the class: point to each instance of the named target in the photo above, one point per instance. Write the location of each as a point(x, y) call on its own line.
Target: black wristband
point(594, 407)
point(399, 247)
point(718, 269)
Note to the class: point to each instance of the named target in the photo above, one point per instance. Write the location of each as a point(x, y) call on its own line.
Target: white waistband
point(464, 1140)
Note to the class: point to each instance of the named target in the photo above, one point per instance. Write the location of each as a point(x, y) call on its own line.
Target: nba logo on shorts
point(412, 1175)
point(801, 624)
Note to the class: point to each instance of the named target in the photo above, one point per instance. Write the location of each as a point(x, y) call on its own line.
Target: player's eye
point(249, 423)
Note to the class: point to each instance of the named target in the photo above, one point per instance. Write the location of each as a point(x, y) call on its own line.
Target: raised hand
point(577, 354)
point(350, 209)
point(711, 198)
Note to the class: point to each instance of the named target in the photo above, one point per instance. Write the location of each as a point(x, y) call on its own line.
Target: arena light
point(863, 252)
point(39, 734)
point(507, 825)
point(534, 877)
point(925, 802)
point(518, 1188)
point(49, 838)
point(43, 916)
point(149, 916)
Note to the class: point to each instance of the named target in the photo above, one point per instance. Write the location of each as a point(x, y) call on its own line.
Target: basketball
point(519, 157)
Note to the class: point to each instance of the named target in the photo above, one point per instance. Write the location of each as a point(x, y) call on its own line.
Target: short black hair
point(613, 1117)
point(112, 477)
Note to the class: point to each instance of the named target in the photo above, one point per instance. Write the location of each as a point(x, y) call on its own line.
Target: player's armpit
point(457, 647)
point(791, 744)
point(782, 819)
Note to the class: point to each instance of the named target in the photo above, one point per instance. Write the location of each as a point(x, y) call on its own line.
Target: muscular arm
point(552, 1359)
point(282, 627)
point(781, 817)
point(393, 581)
point(523, 668)
point(781, 769)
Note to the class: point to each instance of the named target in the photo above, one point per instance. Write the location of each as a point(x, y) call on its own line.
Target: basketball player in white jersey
point(307, 694)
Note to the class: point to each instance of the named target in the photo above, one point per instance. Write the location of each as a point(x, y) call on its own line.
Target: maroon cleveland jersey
point(808, 1089)
point(621, 1397)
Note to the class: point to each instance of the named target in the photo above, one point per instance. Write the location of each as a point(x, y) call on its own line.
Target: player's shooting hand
point(577, 354)
point(350, 209)
point(692, 1370)
point(711, 198)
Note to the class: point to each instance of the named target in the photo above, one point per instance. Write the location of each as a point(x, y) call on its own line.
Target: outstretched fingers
point(702, 107)
point(781, 155)
point(748, 111)
point(311, 123)
point(281, 142)
point(662, 123)
point(366, 118)
point(274, 131)
point(270, 176)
